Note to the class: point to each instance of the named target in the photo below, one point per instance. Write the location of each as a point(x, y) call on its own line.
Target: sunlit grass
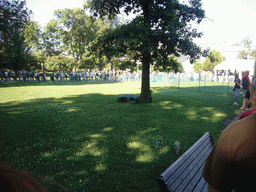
point(79, 135)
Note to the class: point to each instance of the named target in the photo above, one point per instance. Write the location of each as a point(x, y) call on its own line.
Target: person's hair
point(252, 90)
point(15, 180)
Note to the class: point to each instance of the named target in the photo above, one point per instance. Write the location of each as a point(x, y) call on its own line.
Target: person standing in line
point(6, 75)
point(31, 75)
point(52, 76)
point(24, 73)
point(14, 75)
point(78, 76)
point(83, 75)
point(36, 76)
point(66, 76)
point(236, 88)
point(70, 76)
point(251, 96)
point(43, 76)
point(91, 74)
point(27, 75)
point(86, 75)
point(61, 76)
point(246, 85)
point(96, 76)
point(20, 75)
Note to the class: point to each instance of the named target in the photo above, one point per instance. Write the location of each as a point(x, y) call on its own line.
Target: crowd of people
point(23, 75)
point(68, 76)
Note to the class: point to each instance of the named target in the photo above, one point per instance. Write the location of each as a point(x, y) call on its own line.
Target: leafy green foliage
point(13, 48)
point(78, 30)
point(32, 34)
point(249, 53)
point(197, 67)
point(172, 64)
point(51, 38)
point(59, 63)
point(214, 58)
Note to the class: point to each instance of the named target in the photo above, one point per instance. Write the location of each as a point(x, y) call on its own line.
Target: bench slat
point(186, 172)
point(178, 172)
point(201, 184)
point(166, 174)
point(205, 189)
point(194, 176)
point(188, 169)
point(193, 183)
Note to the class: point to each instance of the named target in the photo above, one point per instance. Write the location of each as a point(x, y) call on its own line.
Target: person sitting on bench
point(232, 162)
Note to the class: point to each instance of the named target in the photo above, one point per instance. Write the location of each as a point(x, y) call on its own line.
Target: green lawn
point(79, 135)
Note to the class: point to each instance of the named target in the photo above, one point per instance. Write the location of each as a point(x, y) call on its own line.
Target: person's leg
point(237, 91)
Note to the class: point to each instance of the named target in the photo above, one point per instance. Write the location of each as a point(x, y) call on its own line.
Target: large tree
point(78, 30)
point(14, 51)
point(160, 29)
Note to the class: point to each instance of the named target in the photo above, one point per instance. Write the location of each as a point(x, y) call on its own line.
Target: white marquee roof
point(236, 64)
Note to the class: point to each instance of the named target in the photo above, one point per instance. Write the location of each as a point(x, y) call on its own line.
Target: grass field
point(79, 135)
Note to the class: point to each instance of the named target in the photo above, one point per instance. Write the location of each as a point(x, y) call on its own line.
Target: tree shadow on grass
point(94, 143)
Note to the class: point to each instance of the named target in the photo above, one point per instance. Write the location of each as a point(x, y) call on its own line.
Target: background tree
point(249, 53)
point(161, 28)
point(126, 64)
point(59, 63)
point(87, 61)
point(14, 50)
point(172, 64)
point(32, 34)
point(78, 31)
point(197, 67)
point(214, 58)
point(51, 38)
point(243, 54)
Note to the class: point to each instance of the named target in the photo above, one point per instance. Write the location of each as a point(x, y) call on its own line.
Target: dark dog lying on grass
point(128, 98)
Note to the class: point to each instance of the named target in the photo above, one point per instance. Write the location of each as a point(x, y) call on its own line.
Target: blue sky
point(230, 21)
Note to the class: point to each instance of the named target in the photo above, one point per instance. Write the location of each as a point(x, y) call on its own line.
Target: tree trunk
point(145, 96)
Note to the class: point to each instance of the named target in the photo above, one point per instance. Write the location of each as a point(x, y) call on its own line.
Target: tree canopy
point(214, 58)
point(161, 28)
point(14, 52)
point(249, 53)
point(59, 63)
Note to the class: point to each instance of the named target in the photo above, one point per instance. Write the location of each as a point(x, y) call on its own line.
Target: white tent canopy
point(236, 64)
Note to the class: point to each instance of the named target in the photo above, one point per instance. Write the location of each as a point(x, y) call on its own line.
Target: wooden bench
point(185, 174)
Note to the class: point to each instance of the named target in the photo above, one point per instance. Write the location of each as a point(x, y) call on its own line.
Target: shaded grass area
point(77, 133)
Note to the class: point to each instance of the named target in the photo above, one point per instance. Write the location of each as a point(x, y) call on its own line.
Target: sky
point(228, 21)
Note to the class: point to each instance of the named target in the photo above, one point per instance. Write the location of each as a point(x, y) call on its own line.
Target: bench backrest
point(186, 173)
